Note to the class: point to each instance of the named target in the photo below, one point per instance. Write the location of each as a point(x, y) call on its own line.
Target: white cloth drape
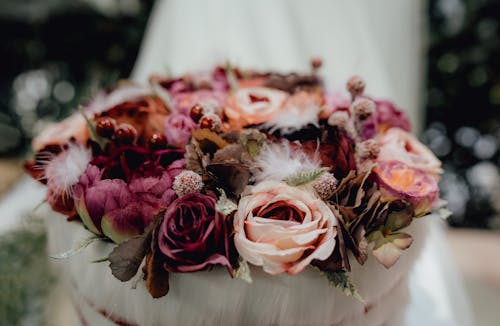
point(379, 40)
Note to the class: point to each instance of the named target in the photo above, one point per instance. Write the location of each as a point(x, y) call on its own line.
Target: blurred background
point(55, 54)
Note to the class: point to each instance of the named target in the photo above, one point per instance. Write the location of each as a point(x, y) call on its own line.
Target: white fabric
point(379, 40)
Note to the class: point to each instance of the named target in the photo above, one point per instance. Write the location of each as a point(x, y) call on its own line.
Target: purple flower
point(156, 190)
point(388, 115)
point(119, 211)
point(193, 235)
point(178, 129)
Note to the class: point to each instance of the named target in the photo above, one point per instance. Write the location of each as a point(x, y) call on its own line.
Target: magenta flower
point(388, 115)
point(119, 211)
point(178, 129)
point(193, 235)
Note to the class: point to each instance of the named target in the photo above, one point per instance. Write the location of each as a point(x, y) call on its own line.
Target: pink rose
point(253, 105)
point(178, 129)
point(399, 181)
point(399, 145)
point(193, 235)
point(283, 228)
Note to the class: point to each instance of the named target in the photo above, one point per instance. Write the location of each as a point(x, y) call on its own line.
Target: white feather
point(277, 161)
point(64, 171)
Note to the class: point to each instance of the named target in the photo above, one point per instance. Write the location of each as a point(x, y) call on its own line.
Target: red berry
point(125, 134)
point(196, 112)
point(105, 127)
point(157, 141)
point(211, 122)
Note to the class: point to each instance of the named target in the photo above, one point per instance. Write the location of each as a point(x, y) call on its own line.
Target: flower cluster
point(230, 167)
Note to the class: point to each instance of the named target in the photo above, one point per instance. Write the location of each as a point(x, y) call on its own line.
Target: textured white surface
point(214, 298)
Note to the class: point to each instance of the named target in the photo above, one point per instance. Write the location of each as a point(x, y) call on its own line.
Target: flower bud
point(355, 86)
point(325, 185)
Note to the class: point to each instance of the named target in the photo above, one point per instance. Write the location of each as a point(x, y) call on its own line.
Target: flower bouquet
point(239, 171)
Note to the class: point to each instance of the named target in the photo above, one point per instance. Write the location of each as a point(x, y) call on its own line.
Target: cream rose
point(253, 105)
point(283, 228)
point(397, 144)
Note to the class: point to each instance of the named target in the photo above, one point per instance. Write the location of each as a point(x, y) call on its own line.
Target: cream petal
point(387, 254)
point(285, 256)
point(300, 240)
point(322, 252)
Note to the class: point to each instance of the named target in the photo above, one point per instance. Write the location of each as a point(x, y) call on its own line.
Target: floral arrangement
point(229, 167)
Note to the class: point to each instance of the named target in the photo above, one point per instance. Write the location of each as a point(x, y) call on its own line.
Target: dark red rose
point(193, 235)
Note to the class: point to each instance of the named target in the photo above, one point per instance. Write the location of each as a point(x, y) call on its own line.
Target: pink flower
point(119, 211)
point(399, 181)
point(388, 115)
point(334, 102)
point(178, 129)
point(193, 235)
point(283, 228)
point(399, 145)
point(253, 105)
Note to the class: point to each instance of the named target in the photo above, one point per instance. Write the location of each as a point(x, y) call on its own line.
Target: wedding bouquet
point(230, 167)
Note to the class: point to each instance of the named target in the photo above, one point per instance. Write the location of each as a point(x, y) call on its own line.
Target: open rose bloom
point(229, 168)
point(283, 228)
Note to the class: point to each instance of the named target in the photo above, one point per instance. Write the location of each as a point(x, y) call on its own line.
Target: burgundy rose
point(193, 235)
point(178, 129)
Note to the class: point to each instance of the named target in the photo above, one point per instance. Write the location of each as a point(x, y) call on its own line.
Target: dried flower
point(355, 86)
point(325, 185)
point(187, 182)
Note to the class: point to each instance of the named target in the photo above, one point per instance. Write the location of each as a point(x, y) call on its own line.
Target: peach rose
point(283, 228)
point(399, 181)
point(397, 144)
point(73, 127)
point(253, 105)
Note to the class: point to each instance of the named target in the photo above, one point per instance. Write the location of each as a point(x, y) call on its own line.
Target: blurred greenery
point(463, 106)
point(56, 53)
point(25, 276)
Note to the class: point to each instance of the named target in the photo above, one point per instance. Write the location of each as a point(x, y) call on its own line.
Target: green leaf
point(302, 178)
point(224, 205)
point(253, 148)
point(444, 213)
point(77, 248)
point(243, 271)
point(342, 281)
